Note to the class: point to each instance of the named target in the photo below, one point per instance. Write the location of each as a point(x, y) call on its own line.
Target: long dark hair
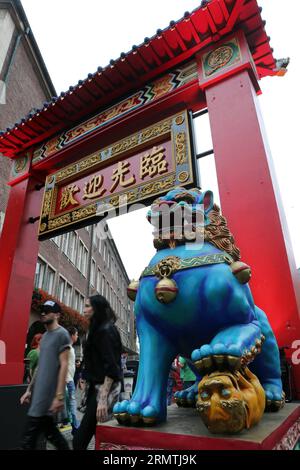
point(103, 314)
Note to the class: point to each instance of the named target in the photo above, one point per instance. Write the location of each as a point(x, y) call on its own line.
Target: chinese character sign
point(135, 169)
point(117, 178)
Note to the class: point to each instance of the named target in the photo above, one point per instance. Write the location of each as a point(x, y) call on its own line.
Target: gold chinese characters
point(67, 196)
point(152, 163)
point(93, 188)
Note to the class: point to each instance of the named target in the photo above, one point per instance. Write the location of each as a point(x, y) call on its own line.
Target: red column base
point(11, 373)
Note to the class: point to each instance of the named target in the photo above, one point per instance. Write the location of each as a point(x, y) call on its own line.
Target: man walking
point(46, 390)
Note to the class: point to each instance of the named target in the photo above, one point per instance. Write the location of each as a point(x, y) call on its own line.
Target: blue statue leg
point(266, 366)
point(187, 398)
point(149, 401)
point(231, 348)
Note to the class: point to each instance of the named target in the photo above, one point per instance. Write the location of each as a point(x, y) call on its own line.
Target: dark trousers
point(42, 425)
point(87, 428)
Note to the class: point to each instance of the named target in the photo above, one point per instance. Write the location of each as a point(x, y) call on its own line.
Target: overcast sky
point(76, 37)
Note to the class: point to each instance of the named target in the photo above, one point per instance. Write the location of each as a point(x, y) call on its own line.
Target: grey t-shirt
point(44, 390)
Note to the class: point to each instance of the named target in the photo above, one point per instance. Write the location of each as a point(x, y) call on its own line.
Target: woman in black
point(102, 368)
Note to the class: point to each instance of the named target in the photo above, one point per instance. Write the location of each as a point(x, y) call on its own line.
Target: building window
point(84, 262)
point(112, 267)
point(81, 304)
point(76, 299)
point(112, 298)
point(61, 289)
point(49, 287)
point(95, 239)
point(57, 241)
point(107, 292)
point(93, 272)
point(64, 243)
point(79, 254)
point(104, 252)
point(82, 258)
point(71, 248)
point(68, 294)
point(98, 282)
point(103, 286)
point(65, 291)
point(44, 277)
point(40, 274)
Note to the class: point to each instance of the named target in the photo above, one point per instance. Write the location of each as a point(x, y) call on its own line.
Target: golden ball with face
point(229, 403)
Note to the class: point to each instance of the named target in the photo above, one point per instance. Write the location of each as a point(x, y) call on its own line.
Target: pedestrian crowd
point(56, 377)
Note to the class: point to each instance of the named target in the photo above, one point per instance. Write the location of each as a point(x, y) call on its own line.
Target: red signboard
point(135, 169)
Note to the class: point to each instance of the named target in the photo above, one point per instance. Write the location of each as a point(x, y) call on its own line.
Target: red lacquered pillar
point(19, 250)
point(251, 203)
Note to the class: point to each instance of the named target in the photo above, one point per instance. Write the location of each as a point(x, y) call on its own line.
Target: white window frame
point(51, 289)
point(103, 285)
point(41, 281)
point(45, 277)
point(93, 273)
point(61, 299)
point(98, 281)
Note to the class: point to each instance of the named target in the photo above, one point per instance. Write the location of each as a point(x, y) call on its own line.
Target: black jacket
point(102, 355)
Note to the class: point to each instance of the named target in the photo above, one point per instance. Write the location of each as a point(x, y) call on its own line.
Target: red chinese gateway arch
point(212, 58)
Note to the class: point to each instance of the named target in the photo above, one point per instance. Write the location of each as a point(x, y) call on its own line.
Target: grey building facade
point(81, 262)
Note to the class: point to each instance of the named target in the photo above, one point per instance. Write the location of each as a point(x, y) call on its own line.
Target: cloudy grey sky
point(76, 37)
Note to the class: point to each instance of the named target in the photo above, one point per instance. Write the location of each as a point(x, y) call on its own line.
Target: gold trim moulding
point(124, 147)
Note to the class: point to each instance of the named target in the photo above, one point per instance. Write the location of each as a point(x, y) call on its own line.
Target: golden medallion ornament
point(183, 176)
point(20, 164)
point(179, 120)
point(220, 57)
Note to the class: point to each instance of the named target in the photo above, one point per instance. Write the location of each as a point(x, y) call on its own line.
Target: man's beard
point(236, 421)
point(48, 322)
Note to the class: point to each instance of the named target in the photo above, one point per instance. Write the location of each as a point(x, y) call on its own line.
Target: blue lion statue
point(193, 300)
